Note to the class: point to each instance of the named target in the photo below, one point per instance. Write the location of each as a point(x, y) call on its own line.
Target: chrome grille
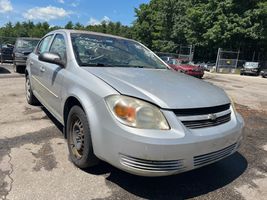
point(152, 165)
point(207, 122)
point(204, 117)
point(201, 111)
point(213, 156)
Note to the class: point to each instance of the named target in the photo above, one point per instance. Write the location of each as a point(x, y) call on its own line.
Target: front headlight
point(136, 113)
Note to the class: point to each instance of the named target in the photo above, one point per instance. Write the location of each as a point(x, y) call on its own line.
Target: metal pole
point(237, 58)
point(217, 60)
point(253, 56)
point(1, 50)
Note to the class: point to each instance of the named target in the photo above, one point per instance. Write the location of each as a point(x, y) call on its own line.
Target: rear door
point(36, 67)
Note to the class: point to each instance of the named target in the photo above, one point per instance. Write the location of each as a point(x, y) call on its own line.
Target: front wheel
point(79, 139)
point(19, 69)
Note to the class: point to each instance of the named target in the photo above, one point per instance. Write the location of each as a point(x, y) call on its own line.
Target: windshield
point(26, 44)
point(179, 62)
point(251, 64)
point(96, 50)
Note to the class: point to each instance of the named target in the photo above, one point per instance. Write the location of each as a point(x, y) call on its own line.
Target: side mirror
point(53, 58)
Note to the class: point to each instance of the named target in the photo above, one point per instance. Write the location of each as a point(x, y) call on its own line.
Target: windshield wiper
point(94, 65)
point(142, 66)
point(131, 66)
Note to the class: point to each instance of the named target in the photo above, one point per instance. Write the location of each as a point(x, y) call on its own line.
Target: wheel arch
point(69, 103)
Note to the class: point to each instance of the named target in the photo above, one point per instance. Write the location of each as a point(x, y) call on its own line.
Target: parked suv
point(251, 68)
point(120, 103)
point(23, 47)
point(263, 73)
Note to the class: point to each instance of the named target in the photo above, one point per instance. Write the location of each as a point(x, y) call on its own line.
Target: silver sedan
point(120, 103)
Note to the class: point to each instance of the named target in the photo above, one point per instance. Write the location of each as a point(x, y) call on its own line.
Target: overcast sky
point(59, 12)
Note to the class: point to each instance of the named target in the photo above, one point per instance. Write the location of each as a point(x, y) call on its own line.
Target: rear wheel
point(31, 99)
point(79, 139)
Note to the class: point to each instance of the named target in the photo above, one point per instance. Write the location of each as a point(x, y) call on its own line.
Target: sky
point(59, 12)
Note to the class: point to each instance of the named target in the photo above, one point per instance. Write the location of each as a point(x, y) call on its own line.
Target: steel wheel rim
point(77, 137)
point(28, 89)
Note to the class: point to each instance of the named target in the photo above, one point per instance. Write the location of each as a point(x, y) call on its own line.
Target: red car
point(185, 67)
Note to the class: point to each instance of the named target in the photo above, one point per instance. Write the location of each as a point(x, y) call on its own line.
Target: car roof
point(28, 38)
point(69, 31)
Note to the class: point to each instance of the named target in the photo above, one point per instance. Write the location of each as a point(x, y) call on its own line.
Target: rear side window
point(44, 44)
point(59, 46)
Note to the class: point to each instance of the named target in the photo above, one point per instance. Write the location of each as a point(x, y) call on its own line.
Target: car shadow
point(182, 186)
point(4, 70)
point(52, 118)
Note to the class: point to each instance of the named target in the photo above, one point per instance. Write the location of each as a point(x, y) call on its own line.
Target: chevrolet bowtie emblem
point(212, 117)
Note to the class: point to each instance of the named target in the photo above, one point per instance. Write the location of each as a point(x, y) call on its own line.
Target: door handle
point(31, 63)
point(42, 69)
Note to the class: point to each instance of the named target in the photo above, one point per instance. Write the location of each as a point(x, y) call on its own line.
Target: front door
point(52, 76)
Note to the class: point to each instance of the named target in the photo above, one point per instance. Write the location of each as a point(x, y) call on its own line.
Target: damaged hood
point(163, 87)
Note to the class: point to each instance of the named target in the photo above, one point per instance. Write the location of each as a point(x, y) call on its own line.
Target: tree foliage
point(163, 25)
point(207, 24)
point(29, 29)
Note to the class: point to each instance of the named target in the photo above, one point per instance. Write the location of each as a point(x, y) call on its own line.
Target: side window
point(44, 44)
point(59, 46)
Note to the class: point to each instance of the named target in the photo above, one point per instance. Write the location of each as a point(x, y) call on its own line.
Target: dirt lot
point(34, 160)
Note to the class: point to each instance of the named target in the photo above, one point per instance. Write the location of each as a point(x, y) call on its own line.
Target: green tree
point(69, 25)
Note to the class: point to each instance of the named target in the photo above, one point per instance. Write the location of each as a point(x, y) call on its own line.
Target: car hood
point(23, 50)
point(165, 88)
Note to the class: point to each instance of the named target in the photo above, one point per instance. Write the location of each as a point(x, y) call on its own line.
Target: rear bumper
point(4, 57)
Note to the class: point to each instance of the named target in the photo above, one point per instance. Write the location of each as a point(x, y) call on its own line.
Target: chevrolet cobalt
point(120, 103)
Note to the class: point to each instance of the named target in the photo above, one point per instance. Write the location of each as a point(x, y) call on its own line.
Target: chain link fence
point(185, 52)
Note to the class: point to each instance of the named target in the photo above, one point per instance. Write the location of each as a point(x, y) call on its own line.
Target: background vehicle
point(166, 59)
point(187, 68)
point(119, 103)
point(251, 68)
point(263, 73)
point(6, 51)
point(23, 47)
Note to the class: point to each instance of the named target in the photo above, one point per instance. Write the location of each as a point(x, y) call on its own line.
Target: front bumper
point(250, 72)
point(20, 61)
point(195, 73)
point(162, 153)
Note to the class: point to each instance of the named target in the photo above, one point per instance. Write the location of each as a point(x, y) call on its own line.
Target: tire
point(79, 139)
point(19, 69)
point(31, 99)
point(15, 68)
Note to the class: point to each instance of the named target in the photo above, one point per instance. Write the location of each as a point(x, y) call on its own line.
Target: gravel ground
point(34, 160)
